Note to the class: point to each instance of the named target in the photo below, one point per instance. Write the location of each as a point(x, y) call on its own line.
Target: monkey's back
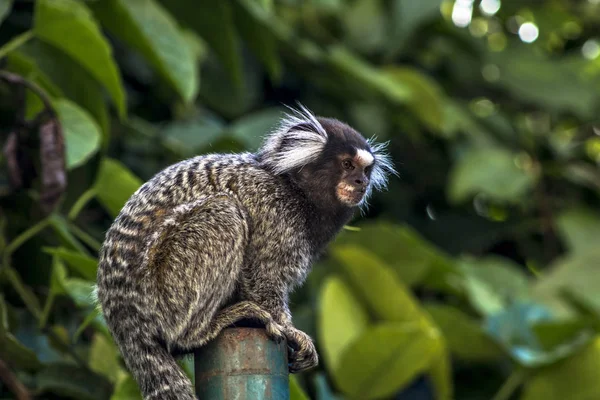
point(274, 214)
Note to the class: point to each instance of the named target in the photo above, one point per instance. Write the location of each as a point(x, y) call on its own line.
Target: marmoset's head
point(330, 161)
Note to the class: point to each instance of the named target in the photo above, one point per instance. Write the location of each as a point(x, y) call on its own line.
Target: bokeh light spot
point(528, 32)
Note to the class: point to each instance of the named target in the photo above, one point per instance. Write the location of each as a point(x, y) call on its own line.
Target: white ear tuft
point(297, 141)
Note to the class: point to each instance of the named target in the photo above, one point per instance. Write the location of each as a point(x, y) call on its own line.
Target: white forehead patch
point(364, 157)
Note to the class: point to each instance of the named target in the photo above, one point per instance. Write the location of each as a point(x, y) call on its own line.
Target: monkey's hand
point(303, 354)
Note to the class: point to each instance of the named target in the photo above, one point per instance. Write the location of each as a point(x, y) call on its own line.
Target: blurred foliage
point(475, 276)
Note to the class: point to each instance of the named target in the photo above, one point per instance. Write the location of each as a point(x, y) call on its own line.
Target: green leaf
point(72, 381)
point(530, 76)
point(11, 349)
point(127, 389)
point(81, 292)
point(471, 176)
point(464, 336)
point(365, 25)
point(68, 78)
point(575, 274)
point(104, 358)
point(380, 288)
point(368, 77)
point(15, 43)
point(296, 392)
point(61, 229)
point(251, 128)
point(5, 7)
point(84, 265)
point(146, 26)
point(213, 21)
point(252, 20)
point(403, 249)
point(579, 227)
point(341, 320)
point(575, 378)
point(190, 136)
point(55, 22)
point(407, 16)
point(493, 282)
point(426, 98)
point(82, 134)
point(440, 373)
point(385, 359)
point(114, 185)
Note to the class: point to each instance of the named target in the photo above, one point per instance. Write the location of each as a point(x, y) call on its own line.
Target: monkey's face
point(354, 172)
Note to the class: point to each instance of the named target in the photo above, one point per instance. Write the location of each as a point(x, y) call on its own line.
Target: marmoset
point(220, 238)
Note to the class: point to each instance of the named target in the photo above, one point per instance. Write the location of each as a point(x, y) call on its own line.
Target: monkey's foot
point(303, 354)
point(275, 331)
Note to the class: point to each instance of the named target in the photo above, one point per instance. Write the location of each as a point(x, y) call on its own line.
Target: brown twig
point(15, 79)
point(13, 384)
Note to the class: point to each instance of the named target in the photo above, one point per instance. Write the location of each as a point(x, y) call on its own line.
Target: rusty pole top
point(242, 364)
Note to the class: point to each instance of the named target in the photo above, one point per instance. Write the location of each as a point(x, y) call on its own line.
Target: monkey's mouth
point(350, 195)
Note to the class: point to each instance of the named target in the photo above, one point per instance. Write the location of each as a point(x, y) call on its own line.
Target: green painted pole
point(242, 364)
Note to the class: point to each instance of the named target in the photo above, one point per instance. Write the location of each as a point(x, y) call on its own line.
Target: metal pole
point(242, 364)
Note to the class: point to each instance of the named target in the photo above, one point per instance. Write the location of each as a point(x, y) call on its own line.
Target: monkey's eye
point(347, 164)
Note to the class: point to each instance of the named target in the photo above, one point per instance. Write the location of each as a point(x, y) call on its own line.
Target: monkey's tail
point(156, 371)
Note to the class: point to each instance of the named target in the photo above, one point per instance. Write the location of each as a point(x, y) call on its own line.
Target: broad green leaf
point(341, 320)
point(104, 358)
point(11, 349)
point(407, 16)
point(471, 175)
point(70, 79)
point(426, 98)
point(5, 7)
point(580, 228)
point(72, 381)
point(252, 128)
point(188, 137)
point(296, 392)
point(252, 20)
point(384, 359)
point(575, 378)
point(146, 26)
point(114, 185)
point(385, 295)
point(365, 25)
point(82, 134)
point(530, 77)
point(126, 389)
point(368, 77)
point(552, 334)
point(493, 282)
point(464, 336)
point(83, 264)
point(213, 21)
point(576, 274)
point(403, 249)
point(80, 291)
point(56, 21)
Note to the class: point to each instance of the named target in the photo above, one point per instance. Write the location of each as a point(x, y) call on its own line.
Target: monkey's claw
point(275, 332)
point(302, 354)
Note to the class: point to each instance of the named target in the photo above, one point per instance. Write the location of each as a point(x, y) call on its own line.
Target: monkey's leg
point(195, 264)
point(200, 335)
point(274, 299)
